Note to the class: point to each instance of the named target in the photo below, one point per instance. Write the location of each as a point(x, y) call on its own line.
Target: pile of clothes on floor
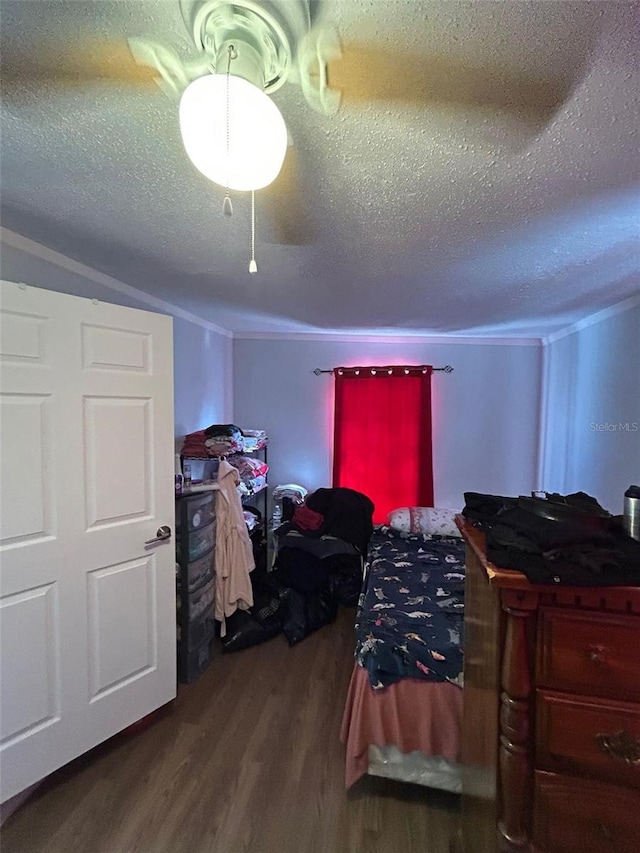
point(558, 539)
point(318, 567)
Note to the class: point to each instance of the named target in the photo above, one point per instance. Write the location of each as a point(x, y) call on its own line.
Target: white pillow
point(424, 519)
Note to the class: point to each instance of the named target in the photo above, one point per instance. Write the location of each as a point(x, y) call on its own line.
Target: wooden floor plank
point(246, 760)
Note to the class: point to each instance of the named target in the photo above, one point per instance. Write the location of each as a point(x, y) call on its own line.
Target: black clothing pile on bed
point(315, 571)
point(411, 612)
point(565, 539)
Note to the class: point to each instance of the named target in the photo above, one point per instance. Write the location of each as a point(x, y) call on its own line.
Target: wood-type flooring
point(246, 760)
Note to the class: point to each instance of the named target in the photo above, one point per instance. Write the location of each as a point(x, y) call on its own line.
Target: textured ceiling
point(425, 217)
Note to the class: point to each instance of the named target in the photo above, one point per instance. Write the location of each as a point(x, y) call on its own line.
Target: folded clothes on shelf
point(223, 440)
point(252, 487)
point(255, 439)
point(194, 445)
point(248, 467)
point(224, 431)
point(224, 446)
point(290, 490)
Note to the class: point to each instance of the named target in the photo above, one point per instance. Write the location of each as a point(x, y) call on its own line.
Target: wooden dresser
point(551, 730)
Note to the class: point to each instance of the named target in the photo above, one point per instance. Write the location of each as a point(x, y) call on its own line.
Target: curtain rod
point(446, 369)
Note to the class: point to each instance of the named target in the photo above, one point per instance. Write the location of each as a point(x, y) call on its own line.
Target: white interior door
point(87, 610)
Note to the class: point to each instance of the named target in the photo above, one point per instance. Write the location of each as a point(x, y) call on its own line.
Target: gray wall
point(591, 428)
point(489, 433)
point(485, 413)
point(203, 377)
point(203, 374)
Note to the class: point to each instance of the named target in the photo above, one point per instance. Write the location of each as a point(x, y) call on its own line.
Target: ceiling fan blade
point(283, 203)
point(100, 61)
point(365, 73)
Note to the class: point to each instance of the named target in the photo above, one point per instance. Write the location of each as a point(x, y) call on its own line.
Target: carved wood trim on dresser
point(551, 724)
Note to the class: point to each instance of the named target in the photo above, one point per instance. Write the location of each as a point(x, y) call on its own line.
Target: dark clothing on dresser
point(564, 540)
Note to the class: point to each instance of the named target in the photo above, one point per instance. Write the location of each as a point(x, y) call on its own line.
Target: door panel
point(106, 348)
point(87, 611)
point(30, 640)
point(22, 337)
point(118, 442)
point(26, 490)
point(124, 595)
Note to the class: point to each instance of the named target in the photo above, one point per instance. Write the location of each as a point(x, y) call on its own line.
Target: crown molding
point(37, 250)
point(31, 247)
point(593, 319)
point(390, 338)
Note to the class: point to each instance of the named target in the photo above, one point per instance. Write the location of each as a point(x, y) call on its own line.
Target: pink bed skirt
point(410, 714)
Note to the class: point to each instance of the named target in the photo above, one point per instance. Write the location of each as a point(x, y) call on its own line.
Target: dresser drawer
point(582, 816)
point(590, 653)
point(597, 738)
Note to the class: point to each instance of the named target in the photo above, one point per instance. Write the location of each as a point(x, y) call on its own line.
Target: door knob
point(162, 533)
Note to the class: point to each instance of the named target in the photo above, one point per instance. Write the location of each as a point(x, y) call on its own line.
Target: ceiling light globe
point(257, 135)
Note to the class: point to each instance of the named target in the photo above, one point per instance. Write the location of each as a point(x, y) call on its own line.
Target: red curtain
point(382, 435)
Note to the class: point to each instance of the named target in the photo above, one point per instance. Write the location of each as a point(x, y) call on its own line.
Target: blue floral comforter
point(409, 621)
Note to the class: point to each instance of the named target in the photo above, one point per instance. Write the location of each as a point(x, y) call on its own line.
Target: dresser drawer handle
point(620, 745)
point(597, 654)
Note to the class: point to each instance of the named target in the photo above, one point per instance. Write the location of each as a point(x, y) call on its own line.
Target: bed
point(403, 713)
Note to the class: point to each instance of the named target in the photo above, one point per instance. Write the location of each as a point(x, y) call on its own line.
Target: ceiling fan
point(260, 45)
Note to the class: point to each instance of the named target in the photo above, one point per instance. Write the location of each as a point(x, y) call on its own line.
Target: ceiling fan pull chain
point(227, 207)
point(253, 266)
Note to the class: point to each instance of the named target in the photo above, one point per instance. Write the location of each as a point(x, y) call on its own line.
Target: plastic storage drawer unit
point(195, 511)
point(194, 633)
point(196, 614)
point(193, 545)
point(199, 572)
point(195, 582)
